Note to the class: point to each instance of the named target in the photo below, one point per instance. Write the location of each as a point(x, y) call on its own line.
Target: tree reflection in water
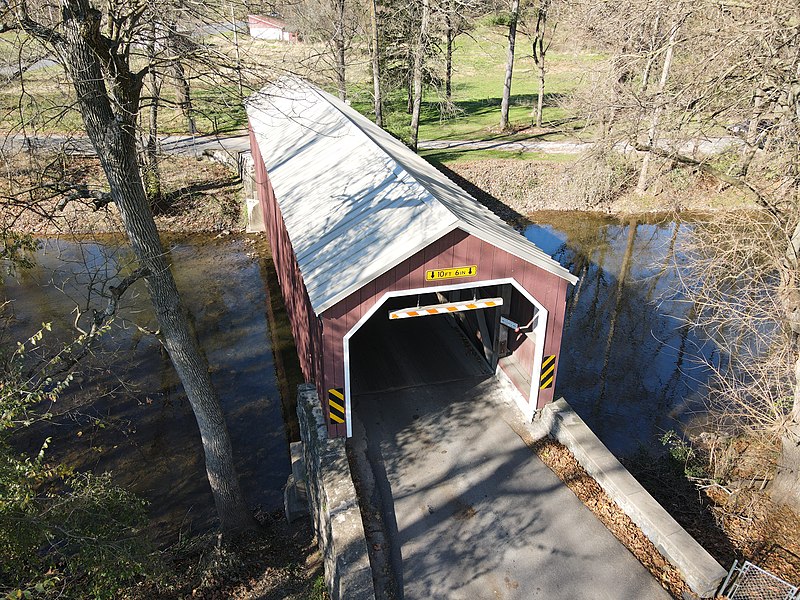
point(629, 364)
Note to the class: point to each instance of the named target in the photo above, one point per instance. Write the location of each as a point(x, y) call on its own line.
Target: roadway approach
point(235, 143)
point(470, 512)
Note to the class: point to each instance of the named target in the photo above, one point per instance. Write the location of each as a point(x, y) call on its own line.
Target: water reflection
point(128, 412)
point(628, 363)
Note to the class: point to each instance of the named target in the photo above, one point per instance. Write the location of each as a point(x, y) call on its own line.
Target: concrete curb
point(701, 572)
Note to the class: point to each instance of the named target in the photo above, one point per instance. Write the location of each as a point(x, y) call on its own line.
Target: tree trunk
point(512, 40)
point(152, 176)
point(410, 77)
point(448, 68)
point(419, 54)
point(652, 134)
point(748, 151)
point(539, 52)
point(182, 90)
point(235, 27)
point(113, 137)
point(785, 488)
point(376, 64)
point(339, 46)
point(540, 100)
point(648, 66)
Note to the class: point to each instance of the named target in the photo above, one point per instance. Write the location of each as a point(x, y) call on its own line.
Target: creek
point(628, 364)
point(126, 411)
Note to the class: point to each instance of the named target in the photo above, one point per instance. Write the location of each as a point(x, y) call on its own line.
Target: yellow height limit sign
point(451, 273)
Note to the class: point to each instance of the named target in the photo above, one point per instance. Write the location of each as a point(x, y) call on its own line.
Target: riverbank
point(277, 562)
point(199, 195)
point(515, 188)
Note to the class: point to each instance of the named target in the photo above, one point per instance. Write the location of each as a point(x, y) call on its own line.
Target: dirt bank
point(516, 188)
point(199, 195)
point(203, 195)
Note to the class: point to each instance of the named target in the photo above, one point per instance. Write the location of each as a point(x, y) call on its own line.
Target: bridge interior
point(390, 354)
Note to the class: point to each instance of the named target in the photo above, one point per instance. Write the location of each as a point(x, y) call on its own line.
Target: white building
point(270, 28)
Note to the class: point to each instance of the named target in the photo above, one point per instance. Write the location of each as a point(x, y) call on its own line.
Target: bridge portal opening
point(445, 336)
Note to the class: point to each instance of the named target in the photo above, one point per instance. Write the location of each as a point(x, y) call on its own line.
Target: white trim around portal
point(540, 328)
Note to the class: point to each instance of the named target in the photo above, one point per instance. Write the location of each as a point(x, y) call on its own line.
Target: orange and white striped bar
point(443, 309)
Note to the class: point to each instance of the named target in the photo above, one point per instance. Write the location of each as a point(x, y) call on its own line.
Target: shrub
point(596, 179)
point(62, 533)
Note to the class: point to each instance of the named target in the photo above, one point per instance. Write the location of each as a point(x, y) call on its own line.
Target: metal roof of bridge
point(356, 201)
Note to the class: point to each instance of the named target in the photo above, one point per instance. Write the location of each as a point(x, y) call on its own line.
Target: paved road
point(186, 145)
point(12, 72)
point(472, 513)
point(236, 143)
point(511, 146)
point(699, 148)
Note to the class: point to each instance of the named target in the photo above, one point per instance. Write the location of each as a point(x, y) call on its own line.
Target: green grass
point(44, 101)
point(47, 101)
point(47, 105)
point(319, 590)
point(478, 75)
point(218, 109)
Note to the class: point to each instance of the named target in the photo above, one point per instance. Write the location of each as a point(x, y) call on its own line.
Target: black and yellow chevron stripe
point(336, 405)
point(548, 372)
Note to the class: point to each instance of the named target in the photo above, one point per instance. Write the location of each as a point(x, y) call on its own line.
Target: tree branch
point(731, 180)
point(116, 292)
point(66, 359)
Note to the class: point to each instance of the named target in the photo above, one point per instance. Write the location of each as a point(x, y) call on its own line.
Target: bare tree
point(334, 23)
point(419, 58)
point(451, 21)
point(108, 92)
point(150, 170)
point(339, 46)
point(742, 283)
point(179, 48)
point(375, 55)
point(512, 40)
point(748, 271)
point(641, 36)
point(658, 107)
point(724, 66)
point(544, 28)
point(458, 17)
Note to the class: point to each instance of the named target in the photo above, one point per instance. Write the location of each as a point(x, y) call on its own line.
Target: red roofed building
point(270, 28)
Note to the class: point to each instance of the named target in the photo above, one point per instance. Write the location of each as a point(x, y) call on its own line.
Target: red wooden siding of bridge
point(456, 248)
point(306, 328)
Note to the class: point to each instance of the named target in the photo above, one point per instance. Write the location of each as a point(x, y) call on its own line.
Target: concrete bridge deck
point(473, 513)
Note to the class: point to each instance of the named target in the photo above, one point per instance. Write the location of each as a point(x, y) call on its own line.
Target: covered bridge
point(363, 228)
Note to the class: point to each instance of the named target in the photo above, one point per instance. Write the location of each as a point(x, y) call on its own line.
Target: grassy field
point(478, 74)
point(44, 100)
point(45, 103)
